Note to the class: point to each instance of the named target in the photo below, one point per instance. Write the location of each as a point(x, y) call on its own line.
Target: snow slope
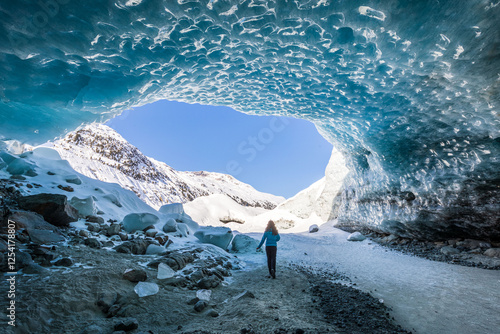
point(321, 197)
point(209, 210)
point(99, 152)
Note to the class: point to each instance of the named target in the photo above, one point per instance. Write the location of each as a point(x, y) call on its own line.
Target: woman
point(272, 237)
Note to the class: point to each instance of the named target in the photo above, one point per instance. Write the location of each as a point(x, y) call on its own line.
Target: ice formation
point(408, 91)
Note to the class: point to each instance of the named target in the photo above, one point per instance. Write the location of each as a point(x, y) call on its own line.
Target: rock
point(152, 232)
point(144, 289)
point(200, 305)
point(175, 208)
point(492, 252)
point(389, 239)
point(92, 329)
point(42, 237)
point(138, 221)
point(213, 313)
point(208, 282)
point(473, 244)
point(66, 188)
point(34, 269)
point(93, 243)
point(30, 221)
point(163, 239)
point(170, 226)
point(93, 227)
point(23, 259)
point(94, 219)
point(86, 206)
point(74, 179)
point(113, 229)
point(115, 238)
point(193, 301)
point(123, 236)
point(113, 310)
point(448, 250)
point(106, 300)
point(356, 236)
point(136, 246)
point(218, 236)
point(64, 262)
point(164, 271)
point(313, 228)
point(128, 324)
point(83, 233)
point(154, 249)
point(38, 229)
point(243, 244)
point(135, 275)
point(53, 207)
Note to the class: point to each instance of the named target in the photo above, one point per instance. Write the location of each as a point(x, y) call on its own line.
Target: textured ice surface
point(407, 90)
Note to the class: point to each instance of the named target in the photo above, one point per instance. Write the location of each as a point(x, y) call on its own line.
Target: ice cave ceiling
point(407, 90)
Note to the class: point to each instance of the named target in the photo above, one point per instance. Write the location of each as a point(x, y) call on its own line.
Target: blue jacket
point(272, 240)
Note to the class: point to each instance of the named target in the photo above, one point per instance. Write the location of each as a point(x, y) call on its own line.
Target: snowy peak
point(100, 152)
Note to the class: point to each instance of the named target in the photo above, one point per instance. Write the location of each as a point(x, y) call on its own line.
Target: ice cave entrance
point(274, 154)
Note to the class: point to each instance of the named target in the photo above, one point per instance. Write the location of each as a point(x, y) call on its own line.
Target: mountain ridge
point(99, 152)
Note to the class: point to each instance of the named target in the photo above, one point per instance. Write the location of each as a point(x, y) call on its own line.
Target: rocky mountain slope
point(99, 152)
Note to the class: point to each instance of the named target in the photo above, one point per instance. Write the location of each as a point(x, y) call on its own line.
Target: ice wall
point(407, 90)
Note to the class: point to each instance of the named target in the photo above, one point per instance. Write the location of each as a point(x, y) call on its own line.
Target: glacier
point(407, 91)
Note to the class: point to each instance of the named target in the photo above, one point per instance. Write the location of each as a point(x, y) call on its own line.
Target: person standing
point(271, 236)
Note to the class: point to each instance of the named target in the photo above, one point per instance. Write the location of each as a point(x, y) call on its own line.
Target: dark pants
point(271, 258)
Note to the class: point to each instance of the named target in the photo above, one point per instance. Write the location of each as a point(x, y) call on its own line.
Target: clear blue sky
point(277, 155)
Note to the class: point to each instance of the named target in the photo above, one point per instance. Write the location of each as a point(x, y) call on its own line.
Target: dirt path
point(64, 301)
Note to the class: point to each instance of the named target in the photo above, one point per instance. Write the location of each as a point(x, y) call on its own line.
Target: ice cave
point(407, 91)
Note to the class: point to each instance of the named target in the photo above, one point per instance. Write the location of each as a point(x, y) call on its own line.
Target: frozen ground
point(426, 296)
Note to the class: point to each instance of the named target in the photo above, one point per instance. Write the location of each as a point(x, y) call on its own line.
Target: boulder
point(53, 207)
point(356, 236)
point(136, 246)
point(38, 229)
point(162, 240)
point(243, 244)
point(218, 236)
point(135, 275)
point(200, 305)
point(94, 219)
point(86, 206)
point(209, 282)
point(127, 324)
point(474, 244)
point(313, 228)
point(42, 237)
point(492, 252)
point(448, 250)
point(138, 221)
point(170, 226)
point(152, 232)
point(113, 229)
point(64, 262)
point(106, 300)
point(93, 243)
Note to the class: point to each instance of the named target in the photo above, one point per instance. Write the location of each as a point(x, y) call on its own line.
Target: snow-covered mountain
point(99, 152)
